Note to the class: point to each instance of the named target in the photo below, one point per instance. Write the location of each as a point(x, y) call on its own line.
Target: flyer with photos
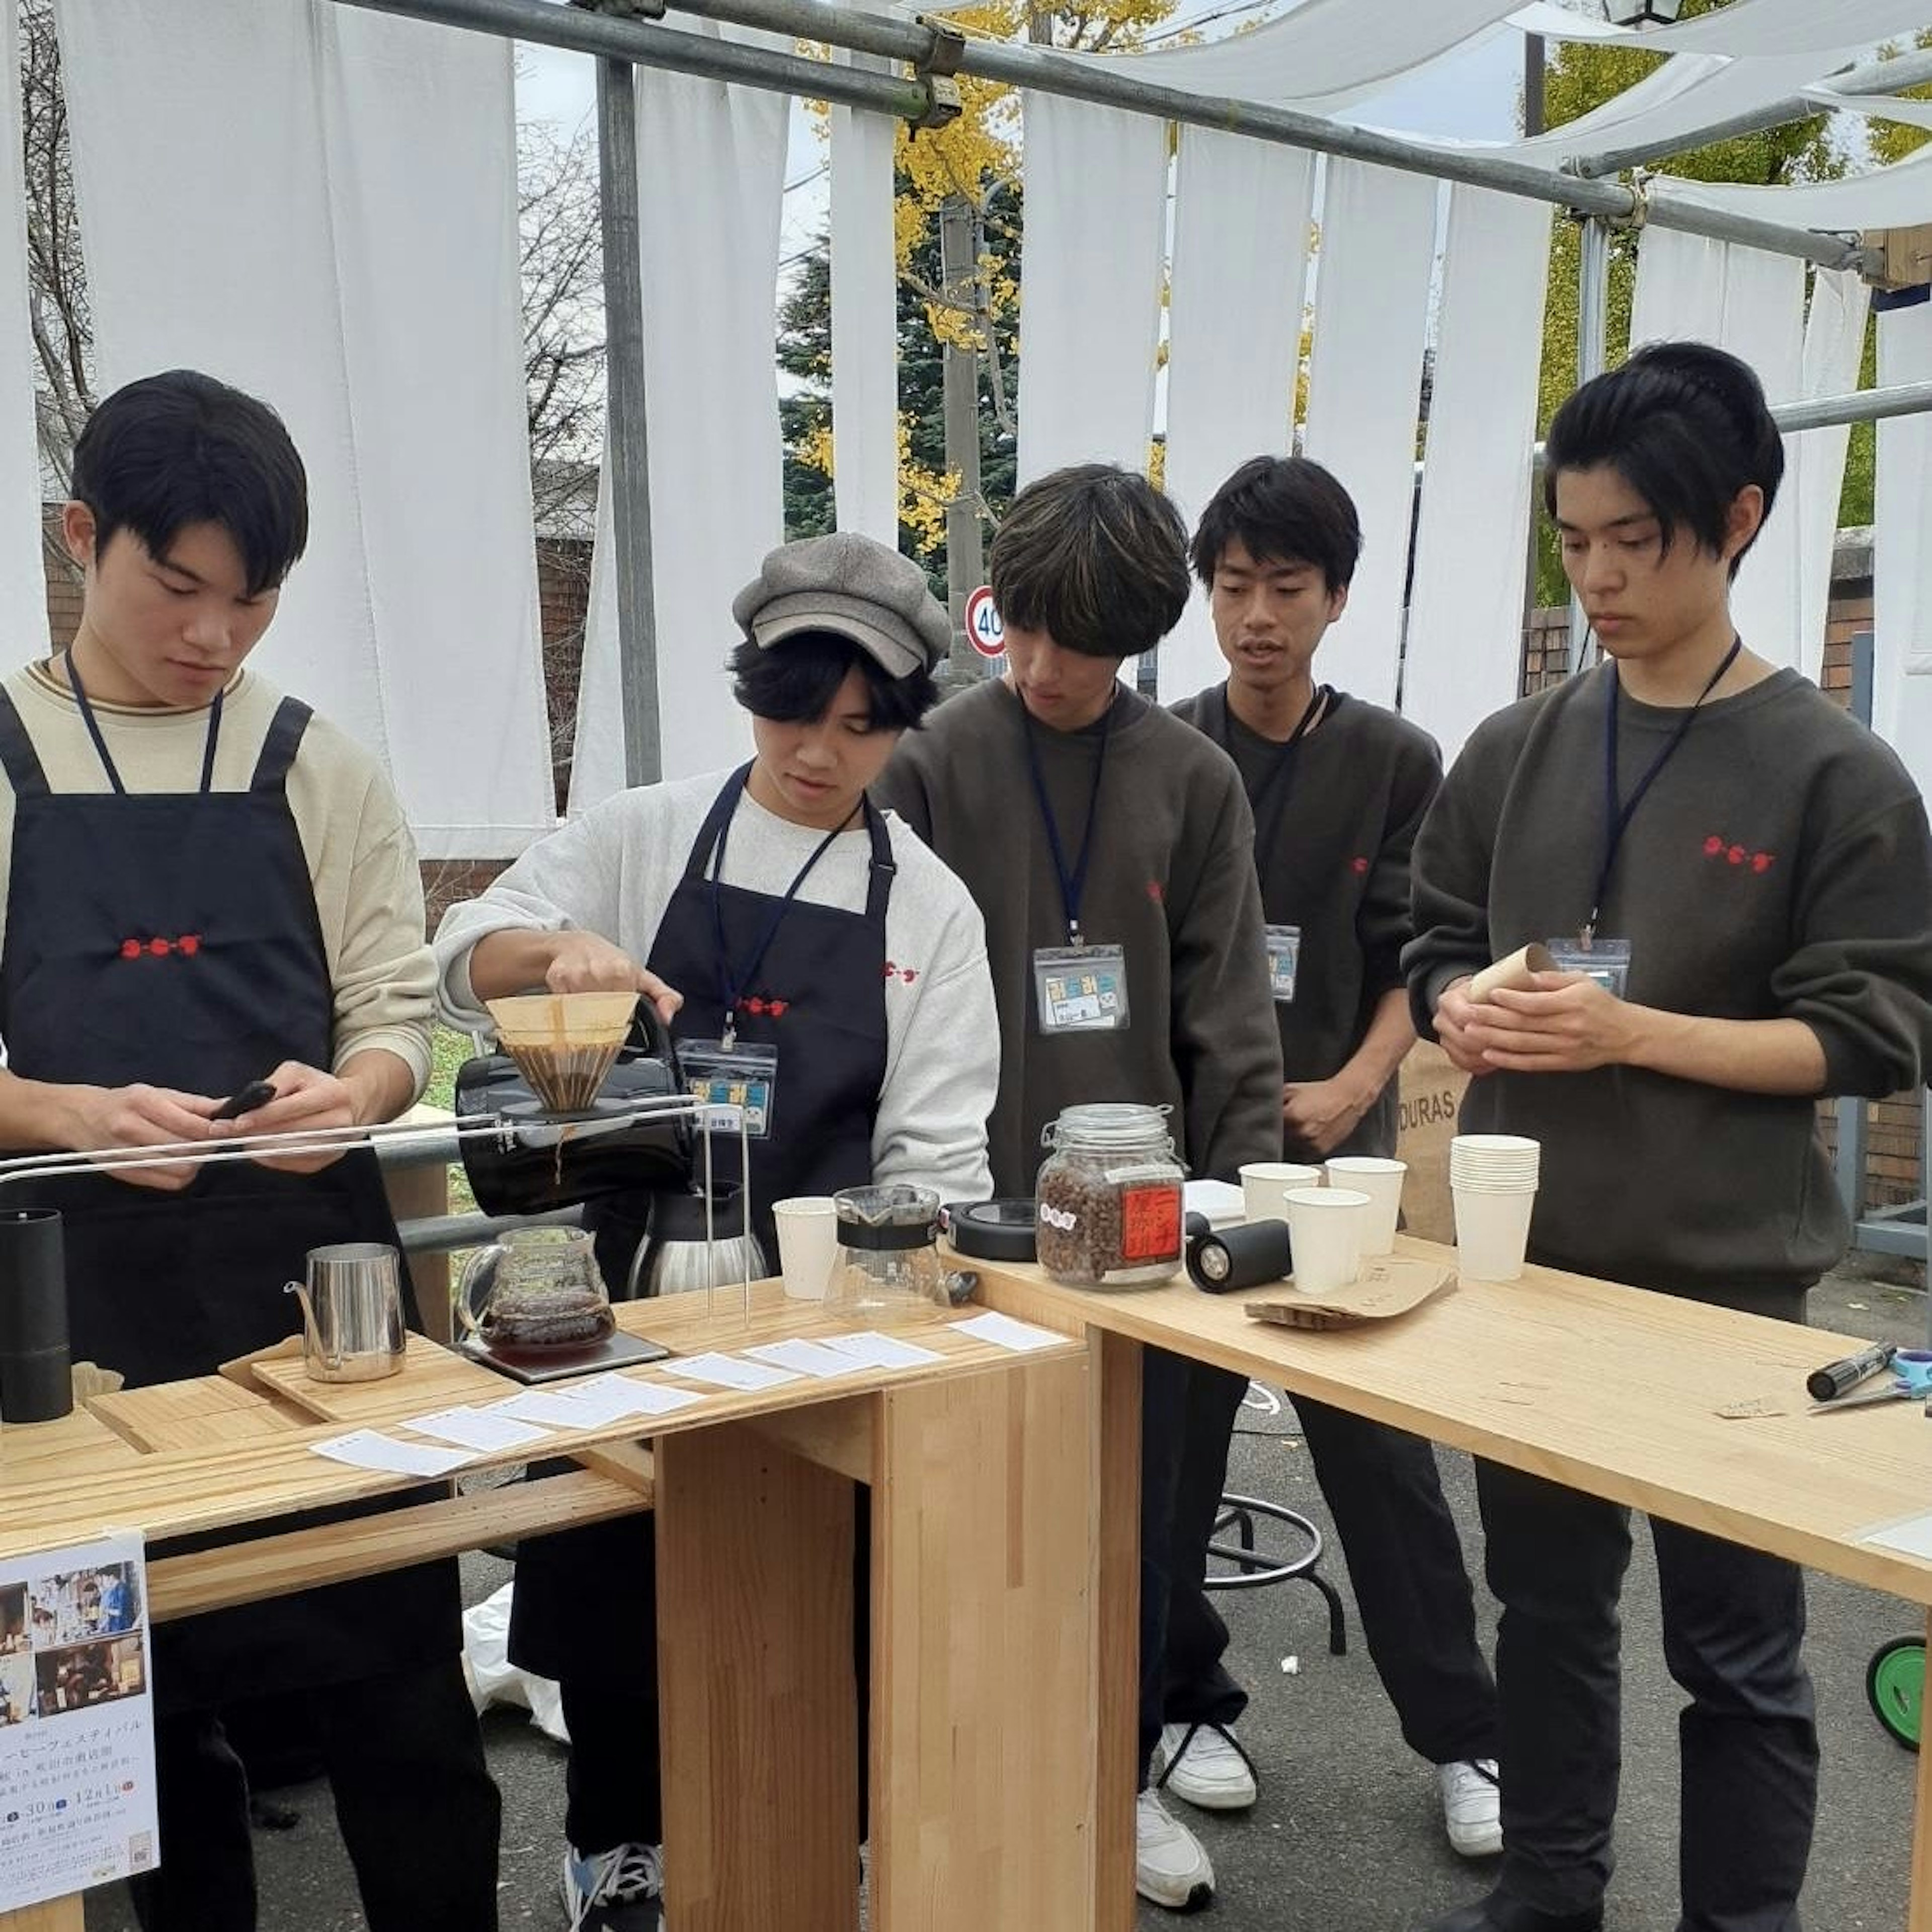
point(76, 1721)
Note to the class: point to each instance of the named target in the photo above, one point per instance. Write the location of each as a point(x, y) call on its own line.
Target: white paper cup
point(807, 1244)
point(1492, 1233)
point(1264, 1182)
point(1382, 1181)
point(1324, 1228)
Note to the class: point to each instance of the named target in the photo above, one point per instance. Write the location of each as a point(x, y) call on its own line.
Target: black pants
point(417, 1810)
point(1733, 1630)
point(1187, 1420)
point(1411, 1587)
point(615, 1781)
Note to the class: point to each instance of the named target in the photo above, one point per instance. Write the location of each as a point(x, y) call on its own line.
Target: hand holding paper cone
point(1519, 969)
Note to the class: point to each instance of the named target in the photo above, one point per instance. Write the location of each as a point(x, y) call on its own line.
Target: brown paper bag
point(1432, 1097)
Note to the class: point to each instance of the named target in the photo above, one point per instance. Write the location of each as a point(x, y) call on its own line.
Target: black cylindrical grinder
point(36, 1379)
point(1250, 1255)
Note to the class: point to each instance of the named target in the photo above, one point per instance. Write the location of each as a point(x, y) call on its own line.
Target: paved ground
point(1346, 1836)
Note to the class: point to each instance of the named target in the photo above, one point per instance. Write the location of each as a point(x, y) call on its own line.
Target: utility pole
point(965, 550)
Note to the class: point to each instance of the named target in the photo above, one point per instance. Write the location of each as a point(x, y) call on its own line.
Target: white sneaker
point(1471, 1808)
point(1170, 1867)
point(1207, 1766)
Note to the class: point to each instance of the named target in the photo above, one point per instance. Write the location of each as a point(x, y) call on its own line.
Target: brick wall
point(1893, 1127)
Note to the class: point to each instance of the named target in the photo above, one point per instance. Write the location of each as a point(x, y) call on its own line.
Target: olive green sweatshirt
point(1171, 879)
point(1779, 867)
point(1333, 839)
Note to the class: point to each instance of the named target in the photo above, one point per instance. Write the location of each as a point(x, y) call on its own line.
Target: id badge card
point(743, 1076)
point(1080, 988)
point(1284, 954)
point(1605, 960)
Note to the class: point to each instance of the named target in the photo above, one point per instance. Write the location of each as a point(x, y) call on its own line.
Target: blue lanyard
point(1072, 884)
point(1618, 812)
point(100, 743)
point(731, 982)
point(1280, 779)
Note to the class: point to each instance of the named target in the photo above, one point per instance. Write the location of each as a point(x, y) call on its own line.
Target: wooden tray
point(1391, 1285)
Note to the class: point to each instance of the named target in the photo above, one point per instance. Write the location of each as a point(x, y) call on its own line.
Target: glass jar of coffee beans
point(1108, 1201)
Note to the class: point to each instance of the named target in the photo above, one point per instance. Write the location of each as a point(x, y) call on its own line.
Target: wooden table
point(1606, 1388)
point(983, 1472)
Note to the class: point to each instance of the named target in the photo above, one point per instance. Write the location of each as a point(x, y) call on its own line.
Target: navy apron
point(824, 971)
point(172, 938)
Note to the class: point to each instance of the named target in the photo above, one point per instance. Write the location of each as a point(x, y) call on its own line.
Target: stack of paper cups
point(1382, 1181)
point(1264, 1183)
point(1493, 1178)
point(1325, 1226)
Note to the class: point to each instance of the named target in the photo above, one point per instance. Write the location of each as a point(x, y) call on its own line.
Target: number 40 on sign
point(987, 633)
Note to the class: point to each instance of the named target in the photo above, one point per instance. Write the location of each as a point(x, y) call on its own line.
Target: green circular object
point(1895, 1683)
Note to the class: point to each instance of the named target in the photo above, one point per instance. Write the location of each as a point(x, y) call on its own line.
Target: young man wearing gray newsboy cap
point(800, 941)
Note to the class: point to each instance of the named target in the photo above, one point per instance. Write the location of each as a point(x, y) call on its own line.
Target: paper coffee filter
point(564, 1043)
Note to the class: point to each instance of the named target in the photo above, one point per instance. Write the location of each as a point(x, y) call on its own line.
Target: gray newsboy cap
point(849, 585)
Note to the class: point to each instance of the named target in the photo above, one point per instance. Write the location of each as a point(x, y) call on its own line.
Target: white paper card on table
point(1911, 1538)
point(551, 1408)
point(76, 1720)
point(808, 1358)
point(730, 1371)
point(478, 1428)
point(1221, 1201)
point(1003, 1332)
point(369, 1449)
point(874, 1351)
point(610, 1398)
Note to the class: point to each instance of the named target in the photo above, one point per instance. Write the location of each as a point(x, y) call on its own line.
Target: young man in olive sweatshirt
point(1339, 788)
point(1739, 877)
point(1080, 815)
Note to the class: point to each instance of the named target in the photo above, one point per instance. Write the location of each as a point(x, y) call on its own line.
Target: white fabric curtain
point(710, 252)
point(1902, 570)
point(23, 584)
point(1465, 647)
point(1750, 27)
point(1090, 315)
point(1240, 267)
point(1814, 477)
point(1877, 107)
point(245, 210)
point(1894, 197)
point(1372, 288)
point(864, 325)
point(1691, 288)
point(432, 304)
point(1320, 47)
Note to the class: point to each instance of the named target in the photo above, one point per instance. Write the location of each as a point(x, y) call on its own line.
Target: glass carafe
point(887, 1268)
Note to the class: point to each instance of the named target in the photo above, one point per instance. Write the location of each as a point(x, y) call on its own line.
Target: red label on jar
point(1149, 1223)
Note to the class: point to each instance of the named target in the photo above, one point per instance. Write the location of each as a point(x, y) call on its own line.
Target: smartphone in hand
point(256, 1093)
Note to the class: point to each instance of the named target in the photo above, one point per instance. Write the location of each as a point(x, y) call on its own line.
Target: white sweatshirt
point(612, 872)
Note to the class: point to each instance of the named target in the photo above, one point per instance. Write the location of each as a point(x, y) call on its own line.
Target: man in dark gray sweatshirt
point(1078, 814)
point(1339, 788)
point(1739, 877)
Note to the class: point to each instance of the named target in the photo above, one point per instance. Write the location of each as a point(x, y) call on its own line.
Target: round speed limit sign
point(983, 627)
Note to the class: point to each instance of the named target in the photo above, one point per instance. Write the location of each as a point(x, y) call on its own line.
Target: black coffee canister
point(36, 1381)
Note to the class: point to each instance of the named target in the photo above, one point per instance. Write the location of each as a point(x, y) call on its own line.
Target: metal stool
point(1253, 1569)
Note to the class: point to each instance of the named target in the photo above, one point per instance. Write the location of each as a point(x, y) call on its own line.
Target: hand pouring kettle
point(352, 1313)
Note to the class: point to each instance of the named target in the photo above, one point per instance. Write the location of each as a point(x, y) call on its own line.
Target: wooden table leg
point(984, 1598)
point(1919, 1911)
point(755, 1670)
point(58, 1915)
point(1117, 1735)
